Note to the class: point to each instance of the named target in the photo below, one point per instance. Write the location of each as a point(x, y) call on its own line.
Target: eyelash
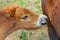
point(25, 17)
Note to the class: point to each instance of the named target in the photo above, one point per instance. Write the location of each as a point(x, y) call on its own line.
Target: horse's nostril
point(43, 20)
point(43, 23)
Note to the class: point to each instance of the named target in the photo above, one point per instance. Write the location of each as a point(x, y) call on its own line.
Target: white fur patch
point(41, 19)
point(37, 23)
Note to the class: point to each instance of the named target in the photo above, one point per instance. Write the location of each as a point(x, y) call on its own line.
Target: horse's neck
point(5, 26)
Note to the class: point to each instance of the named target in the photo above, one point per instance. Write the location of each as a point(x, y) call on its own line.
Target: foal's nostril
point(43, 20)
point(43, 23)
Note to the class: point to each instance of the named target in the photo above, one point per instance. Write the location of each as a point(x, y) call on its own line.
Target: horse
point(14, 17)
point(51, 10)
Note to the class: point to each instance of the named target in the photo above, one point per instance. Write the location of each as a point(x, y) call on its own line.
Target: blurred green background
point(34, 5)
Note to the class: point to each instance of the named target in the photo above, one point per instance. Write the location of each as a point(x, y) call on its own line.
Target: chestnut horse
point(51, 8)
point(13, 18)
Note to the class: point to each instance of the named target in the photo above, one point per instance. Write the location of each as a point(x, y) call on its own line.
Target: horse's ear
point(10, 10)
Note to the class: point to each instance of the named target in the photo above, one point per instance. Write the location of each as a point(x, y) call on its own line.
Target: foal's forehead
point(24, 10)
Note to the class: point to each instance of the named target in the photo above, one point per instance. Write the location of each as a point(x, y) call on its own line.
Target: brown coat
point(14, 17)
point(51, 8)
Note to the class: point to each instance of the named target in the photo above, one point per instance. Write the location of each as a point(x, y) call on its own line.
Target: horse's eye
point(25, 17)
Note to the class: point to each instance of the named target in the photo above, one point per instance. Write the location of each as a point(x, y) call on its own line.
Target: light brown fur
point(11, 19)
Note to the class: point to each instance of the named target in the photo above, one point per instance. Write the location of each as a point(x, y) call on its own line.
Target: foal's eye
point(25, 17)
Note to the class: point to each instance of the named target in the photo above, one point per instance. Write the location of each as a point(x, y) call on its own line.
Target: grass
point(23, 36)
point(27, 36)
point(42, 36)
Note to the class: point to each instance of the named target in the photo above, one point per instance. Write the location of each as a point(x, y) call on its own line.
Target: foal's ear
point(11, 8)
point(10, 11)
